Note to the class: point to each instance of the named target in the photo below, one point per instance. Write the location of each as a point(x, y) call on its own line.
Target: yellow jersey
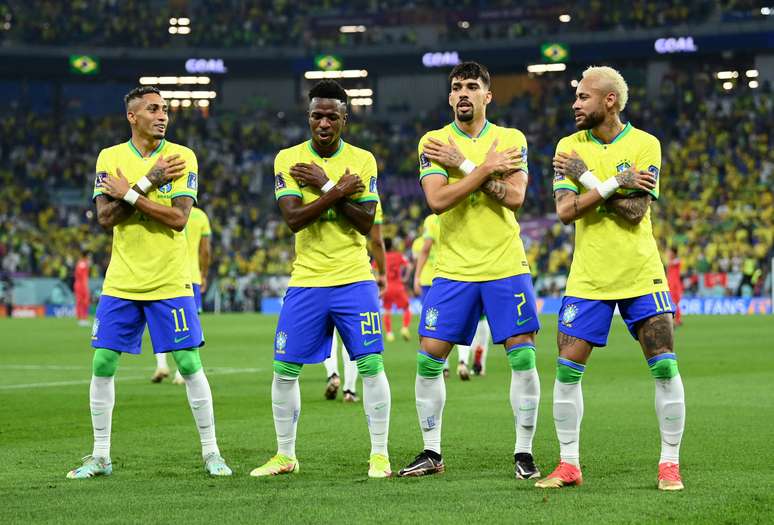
point(149, 260)
point(198, 226)
point(479, 237)
point(614, 259)
point(330, 251)
point(379, 215)
point(429, 231)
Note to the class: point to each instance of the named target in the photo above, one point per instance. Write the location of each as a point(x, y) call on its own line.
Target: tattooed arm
point(632, 208)
point(509, 190)
point(570, 206)
point(111, 212)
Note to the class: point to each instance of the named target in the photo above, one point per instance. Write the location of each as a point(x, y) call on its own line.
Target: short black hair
point(138, 92)
point(467, 70)
point(328, 89)
point(388, 244)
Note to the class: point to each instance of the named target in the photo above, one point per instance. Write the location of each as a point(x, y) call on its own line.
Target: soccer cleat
point(279, 464)
point(564, 474)
point(427, 462)
point(379, 466)
point(160, 375)
point(215, 465)
point(463, 372)
point(525, 466)
point(669, 476)
point(332, 388)
point(92, 467)
point(178, 380)
point(404, 332)
point(390, 337)
point(350, 397)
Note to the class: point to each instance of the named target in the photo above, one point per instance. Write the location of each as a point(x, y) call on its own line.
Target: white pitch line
point(211, 371)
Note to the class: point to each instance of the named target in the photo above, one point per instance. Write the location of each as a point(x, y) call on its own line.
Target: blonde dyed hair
point(610, 80)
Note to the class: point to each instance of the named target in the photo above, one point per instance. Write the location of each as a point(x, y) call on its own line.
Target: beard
point(592, 120)
point(465, 117)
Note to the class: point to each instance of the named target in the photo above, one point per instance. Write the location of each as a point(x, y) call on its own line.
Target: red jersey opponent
point(81, 289)
point(395, 294)
point(675, 282)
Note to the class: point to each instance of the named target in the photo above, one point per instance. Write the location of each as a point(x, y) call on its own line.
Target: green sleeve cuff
point(368, 198)
point(287, 193)
point(190, 194)
point(566, 187)
point(423, 174)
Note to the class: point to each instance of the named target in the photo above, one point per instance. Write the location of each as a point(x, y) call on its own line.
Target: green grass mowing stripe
point(726, 363)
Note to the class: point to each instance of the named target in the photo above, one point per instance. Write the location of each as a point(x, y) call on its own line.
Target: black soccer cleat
point(525, 466)
point(427, 462)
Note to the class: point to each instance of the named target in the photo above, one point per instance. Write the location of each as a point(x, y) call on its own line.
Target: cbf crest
point(280, 342)
point(569, 315)
point(431, 318)
point(166, 188)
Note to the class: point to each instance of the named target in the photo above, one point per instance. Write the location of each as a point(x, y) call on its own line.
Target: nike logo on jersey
point(178, 339)
point(520, 322)
point(370, 342)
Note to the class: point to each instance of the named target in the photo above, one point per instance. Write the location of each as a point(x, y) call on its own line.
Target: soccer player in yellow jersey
point(474, 175)
point(606, 175)
point(326, 190)
point(144, 191)
point(376, 249)
point(197, 236)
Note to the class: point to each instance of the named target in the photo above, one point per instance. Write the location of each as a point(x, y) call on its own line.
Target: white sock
point(332, 363)
point(102, 398)
point(376, 402)
point(200, 399)
point(525, 398)
point(431, 397)
point(568, 413)
point(286, 407)
point(161, 360)
point(670, 410)
point(464, 352)
point(350, 372)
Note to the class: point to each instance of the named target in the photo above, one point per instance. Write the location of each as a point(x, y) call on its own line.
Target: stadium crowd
point(716, 208)
point(239, 23)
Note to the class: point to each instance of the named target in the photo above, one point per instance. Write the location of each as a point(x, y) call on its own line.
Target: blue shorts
point(197, 290)
point(309, 314)
point(173, 324)
point(590, 319)
point(425, 289)
point(452, 309)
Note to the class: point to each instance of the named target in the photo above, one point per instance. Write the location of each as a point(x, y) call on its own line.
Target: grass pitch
point(727, 365)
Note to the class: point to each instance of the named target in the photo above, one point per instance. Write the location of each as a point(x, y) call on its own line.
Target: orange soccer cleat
point(669, 476)
point(563, 475)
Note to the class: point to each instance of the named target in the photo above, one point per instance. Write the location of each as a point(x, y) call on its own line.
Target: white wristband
point(144, 184)
point(588, 180)
point(467, 167)
point(607, 188)
point(328, 186)
point(131, 196)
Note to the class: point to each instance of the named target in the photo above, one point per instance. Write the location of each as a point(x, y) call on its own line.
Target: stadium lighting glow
point(173, 21)
point(184, 30)
point(150, 81)
point(543, 68)
point(347, 73)
point(574, 83)
point(728, 85)
point(360, 92)
point(183, 21)
point(188, 94)
point(203, 103)
point(172, 30)
point(352, 29)
point(751, 73)
point(753, 84)
point(766, 11)
point(463, 24)
point(565, 18)
point(174, 103)
point(725, 75)
point(362, 101)
point(186, 103)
